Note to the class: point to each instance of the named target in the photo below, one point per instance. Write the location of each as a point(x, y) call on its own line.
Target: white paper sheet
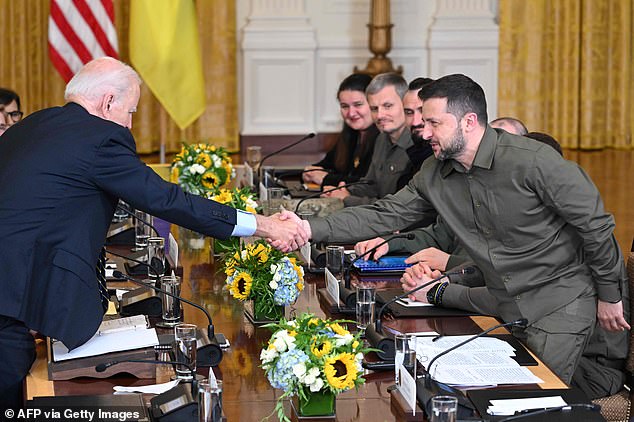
point(107, 343)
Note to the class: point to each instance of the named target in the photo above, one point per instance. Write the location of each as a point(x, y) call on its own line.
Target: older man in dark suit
point(62, 171)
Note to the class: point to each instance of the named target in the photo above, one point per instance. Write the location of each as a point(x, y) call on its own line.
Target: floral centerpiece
point(238, 198)
point(202, 168)
point(259, 272)
point(313, 359)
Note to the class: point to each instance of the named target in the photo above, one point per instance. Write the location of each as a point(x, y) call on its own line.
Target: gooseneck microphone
point(567, 408)
point(140, 220)
point(105, 365)
point(210, 328)
point(317, 194)
point(374, 333)
point(266, 157)
point(522, 322)
point(156, 265)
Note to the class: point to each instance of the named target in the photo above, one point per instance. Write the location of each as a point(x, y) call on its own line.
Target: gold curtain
point(26, 68)
point(566, 68)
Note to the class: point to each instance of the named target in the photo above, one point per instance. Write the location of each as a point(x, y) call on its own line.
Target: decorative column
point(464, 39)
point(278, 51)
point(379, 40)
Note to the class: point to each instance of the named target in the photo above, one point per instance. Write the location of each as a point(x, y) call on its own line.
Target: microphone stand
point(212, 350)
point(374, 333)
point(266, 157)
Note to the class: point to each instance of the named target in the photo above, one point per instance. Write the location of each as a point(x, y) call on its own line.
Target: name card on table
point(332, 286)
point(407, 387)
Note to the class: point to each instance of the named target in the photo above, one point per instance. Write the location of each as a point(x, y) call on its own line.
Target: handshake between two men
point(284, 231)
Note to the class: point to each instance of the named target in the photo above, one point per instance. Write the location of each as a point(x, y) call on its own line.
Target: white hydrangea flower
point(273, 284)
point(311, 375)
point(299, 370)
point(197, 168)
point(317, 385)
point(268, 355)
point(343, 340)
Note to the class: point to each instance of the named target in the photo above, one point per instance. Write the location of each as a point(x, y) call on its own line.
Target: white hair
point(100, 76)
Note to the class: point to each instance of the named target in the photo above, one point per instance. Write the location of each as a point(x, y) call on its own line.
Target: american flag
point(79, 31)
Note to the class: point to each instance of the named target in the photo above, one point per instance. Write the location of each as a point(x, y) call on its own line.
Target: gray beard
point(457, 146)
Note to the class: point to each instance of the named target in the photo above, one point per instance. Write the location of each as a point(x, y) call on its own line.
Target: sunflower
point(209, 179)
point(341, 371)
point(338, 329)
point(241, 285)
point(204, 159)
point(230, 265)
point(321, 349)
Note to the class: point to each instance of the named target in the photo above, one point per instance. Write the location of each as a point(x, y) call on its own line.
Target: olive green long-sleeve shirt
point(533, 222)
point(389, 162)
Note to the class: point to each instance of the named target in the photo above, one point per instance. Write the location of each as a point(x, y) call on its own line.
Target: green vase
point(263, 311)
point(321, 403)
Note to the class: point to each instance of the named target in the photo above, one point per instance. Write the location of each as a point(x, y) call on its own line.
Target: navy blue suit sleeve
point(119, 171)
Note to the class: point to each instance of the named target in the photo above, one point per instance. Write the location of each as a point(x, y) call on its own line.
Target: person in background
point(10, 107)
point(3, 123)
point(532, 222)
point(350, 157)
point(62, 172)
point(510, 124)
point(390, 160)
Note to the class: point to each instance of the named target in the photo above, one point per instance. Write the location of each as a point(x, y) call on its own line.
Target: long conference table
point(247, 394)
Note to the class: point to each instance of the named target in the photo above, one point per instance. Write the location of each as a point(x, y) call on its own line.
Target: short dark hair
point(418, 83)
point(547, 139)
point(462, 93)
point(6, 96)
point(355, 82)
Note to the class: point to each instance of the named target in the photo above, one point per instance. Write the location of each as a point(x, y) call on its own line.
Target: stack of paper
point(113, 336)
point(505, 407)
point(485, 361)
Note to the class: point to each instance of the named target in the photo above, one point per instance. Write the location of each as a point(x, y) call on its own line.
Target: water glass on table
point(142, 230)
point(171, 305)
point(156, 259)
point(444, 409)
point(334, 261)
point(210, 401)
point(275, 200)
point(365, 307)
point(185, 350)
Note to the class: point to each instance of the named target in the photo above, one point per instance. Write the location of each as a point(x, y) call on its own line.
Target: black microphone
point(210, 351)
point(266, 157)
point(103, 366)
point(522, 322)
point(536, 412)
point(317, 194)
point(155, 266)
point(374, 333)
point(133, 215)
point(210, 328)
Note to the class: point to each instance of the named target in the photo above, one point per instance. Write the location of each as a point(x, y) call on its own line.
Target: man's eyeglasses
point(16, 116)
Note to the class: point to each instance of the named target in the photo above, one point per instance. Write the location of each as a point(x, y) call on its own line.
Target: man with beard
point(389, 160)
point(532, 222)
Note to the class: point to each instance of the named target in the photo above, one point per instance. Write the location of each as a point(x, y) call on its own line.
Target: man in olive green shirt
point(532, 222)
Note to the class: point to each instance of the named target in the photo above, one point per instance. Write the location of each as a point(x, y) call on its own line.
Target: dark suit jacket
point(62, 171)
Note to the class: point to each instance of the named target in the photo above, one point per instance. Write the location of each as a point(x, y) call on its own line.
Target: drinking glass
point(156, 259)
point(365, 307)
point(171, 305)
point(254, 155)
point(334, 261)
point(275, 199)
point(403, 344)
point(185, 350)
point(210, 401)
point(444, 409)
point(142, 231)
point(119, 212)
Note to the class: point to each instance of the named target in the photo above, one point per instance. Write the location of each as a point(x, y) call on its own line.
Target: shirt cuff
point(245, 224)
